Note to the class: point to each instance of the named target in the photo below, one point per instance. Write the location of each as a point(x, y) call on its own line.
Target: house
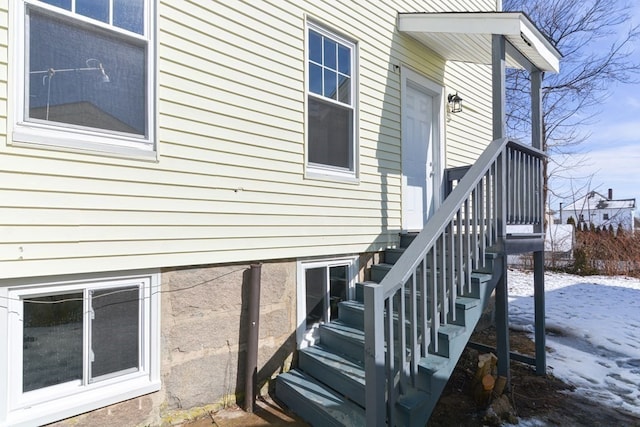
point(166, 164)
point(601, 211)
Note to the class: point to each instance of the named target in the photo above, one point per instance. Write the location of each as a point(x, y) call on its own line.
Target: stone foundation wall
point(204, 336)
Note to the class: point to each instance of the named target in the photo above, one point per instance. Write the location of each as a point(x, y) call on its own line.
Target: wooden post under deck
point(502, 302)
point(538, 257)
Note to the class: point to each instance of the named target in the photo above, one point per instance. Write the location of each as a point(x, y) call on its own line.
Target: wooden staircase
point(328, 386)
point(388, 356)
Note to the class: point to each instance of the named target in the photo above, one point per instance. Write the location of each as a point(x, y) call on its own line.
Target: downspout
point(251, 368)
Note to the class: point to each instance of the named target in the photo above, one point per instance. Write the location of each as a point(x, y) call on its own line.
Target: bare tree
point(596, 39)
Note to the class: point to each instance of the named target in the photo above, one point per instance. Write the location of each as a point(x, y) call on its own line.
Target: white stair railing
point(404, 312)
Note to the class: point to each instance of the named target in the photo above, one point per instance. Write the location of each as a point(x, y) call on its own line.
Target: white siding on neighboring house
point(229, 182)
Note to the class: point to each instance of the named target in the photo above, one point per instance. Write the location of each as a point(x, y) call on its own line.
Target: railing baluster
point(467, 244)
point(530, 190)
point(391, 356)
point(435, 318)
point(451, 270)
point(426, 335)
point(496, 217)
point(441, 278)
point(415, 347)
point(402, 333)
point(482, 219)
point(474, 228)
point(459, 253)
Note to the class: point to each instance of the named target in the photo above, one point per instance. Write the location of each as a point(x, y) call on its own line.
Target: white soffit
point(466, 36)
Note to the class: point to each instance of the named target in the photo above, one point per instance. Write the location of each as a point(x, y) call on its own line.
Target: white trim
point(352, 262)
point(436, 90)
point(64, 400)
point(40, 134)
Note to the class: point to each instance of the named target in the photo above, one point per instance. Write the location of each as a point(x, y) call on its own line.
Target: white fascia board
point(460, 22)
point(539, 42)
point(515, 26)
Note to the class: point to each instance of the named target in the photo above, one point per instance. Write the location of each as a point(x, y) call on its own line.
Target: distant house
point(601, 211)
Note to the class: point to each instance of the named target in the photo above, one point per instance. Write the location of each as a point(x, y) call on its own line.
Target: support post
point(251, 368)
point(498, 85)
point(536, 109)
point(537, 136)
point(502, 300)
point(374, 356)
point(539, 309)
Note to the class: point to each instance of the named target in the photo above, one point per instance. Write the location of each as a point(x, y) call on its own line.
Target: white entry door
point(420, 136)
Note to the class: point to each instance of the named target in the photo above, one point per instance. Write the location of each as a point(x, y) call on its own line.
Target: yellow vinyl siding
point(229, 181)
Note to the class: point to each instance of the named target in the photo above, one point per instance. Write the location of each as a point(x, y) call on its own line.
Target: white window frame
point(304, 337)
point(317, 170)
point(64, 400)
point(68, 137)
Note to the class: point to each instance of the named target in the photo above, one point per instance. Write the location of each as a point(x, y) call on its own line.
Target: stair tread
point(433, 363)
point(382, 265)
point(344, 329)
point(483, 277)
point(352, 304)
point(322, 399)
point(348, 366)
point(467, 303)
point(451, 330)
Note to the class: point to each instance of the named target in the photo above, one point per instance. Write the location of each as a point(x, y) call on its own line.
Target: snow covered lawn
point(593, 331)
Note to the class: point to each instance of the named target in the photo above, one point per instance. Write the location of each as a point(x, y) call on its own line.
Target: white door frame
point(437, 92)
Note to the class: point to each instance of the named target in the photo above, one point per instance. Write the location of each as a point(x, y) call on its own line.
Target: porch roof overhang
point(467, 37)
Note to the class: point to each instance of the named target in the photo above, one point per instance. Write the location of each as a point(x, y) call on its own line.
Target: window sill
point(332, 176)
point(58, 409)
point(83, 142)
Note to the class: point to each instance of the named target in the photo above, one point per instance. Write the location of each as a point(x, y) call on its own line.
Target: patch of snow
point(593, 332)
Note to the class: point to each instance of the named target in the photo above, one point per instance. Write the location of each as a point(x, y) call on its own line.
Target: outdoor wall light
point(455, 103)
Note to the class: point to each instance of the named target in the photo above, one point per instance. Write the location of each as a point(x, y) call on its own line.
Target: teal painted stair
point(327, 388)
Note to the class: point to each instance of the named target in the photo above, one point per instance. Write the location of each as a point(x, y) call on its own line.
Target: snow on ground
point(593, 330)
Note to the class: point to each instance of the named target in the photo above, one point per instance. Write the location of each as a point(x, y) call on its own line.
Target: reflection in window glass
point(344, 89)
point(114, 330)
point(85, 78)
point(129, 15)
point(315, 279)
point(65, 4)
point(344, 60)
point(315, 47)
point(330, 84)
point(52, 340)
point(330, 52)
point(337, 288)
point(95, 9)
point(330, 133)
point(315, 79)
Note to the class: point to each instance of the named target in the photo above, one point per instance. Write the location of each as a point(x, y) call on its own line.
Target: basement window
point(80, 344)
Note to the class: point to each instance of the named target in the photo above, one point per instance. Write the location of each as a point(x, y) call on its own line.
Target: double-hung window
point(81, 344)
point(331, 112)
point(85, 74)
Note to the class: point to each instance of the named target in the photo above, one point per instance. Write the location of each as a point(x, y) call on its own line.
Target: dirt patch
point(545, 398)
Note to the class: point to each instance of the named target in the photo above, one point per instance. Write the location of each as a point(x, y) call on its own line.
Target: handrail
point(404, 312)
